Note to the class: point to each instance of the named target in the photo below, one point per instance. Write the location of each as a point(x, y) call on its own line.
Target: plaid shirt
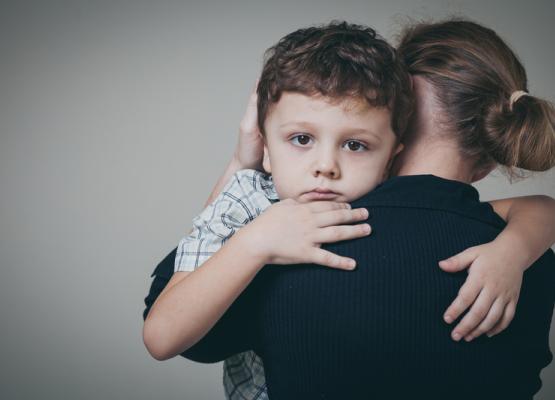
point(243, 199)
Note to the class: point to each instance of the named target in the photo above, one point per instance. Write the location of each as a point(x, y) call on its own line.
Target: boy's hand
point(492, 288)
point(290, 232)
point(250, 148)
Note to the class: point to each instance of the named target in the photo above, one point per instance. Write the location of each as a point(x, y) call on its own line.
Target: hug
point(345, 241)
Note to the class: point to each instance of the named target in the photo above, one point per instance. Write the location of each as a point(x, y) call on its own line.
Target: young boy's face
point(317, 149)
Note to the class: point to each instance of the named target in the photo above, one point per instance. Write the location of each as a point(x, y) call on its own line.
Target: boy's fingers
point(332, 234)
point(459, 261)
point(329, 259)
point(339, 217)
point(321, 206)
point(467, 294)
point(508, 315)
point(494, 315)
point(474, 317)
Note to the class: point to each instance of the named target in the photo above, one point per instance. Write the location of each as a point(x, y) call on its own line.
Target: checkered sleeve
point(239, 203)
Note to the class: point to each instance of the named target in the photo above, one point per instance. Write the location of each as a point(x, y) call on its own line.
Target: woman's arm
point(495, 269)
point(249, 151)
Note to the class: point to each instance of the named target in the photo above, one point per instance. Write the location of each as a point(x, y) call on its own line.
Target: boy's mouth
point(320, 194)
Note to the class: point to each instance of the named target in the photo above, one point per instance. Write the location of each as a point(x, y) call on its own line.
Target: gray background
point(116, 118)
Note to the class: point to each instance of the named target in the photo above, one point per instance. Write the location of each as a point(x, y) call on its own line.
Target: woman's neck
point(439, 158)
point(428, 148)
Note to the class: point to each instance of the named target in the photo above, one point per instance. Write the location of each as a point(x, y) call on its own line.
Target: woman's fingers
point(340, 217)
point(329, 259)
point(475, 316)
point(248, 124)
point(332, 234)
point(494, 315)
point(508, 315)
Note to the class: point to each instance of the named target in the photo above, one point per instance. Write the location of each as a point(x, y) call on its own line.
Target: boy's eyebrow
point(353, 131)
point(350, 131)
point(302, 124)
point(364, 132)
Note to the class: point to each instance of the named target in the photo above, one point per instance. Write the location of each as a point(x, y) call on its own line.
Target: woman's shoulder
point(430, 192)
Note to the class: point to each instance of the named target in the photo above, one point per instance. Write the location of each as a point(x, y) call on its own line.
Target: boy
point(333, 104)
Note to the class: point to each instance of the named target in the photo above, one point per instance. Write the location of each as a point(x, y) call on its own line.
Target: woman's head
point(474, 74)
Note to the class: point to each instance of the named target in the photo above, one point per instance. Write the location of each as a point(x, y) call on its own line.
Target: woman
point(472, 112)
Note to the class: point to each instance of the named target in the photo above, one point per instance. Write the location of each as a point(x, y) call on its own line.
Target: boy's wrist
point(246, 245)
point(511, 247)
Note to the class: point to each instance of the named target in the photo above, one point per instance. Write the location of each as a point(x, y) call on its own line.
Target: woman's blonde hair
point(474, 73)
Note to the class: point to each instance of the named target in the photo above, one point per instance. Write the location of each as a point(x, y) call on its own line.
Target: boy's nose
point(327, 168)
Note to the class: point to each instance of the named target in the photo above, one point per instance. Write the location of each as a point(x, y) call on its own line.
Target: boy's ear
point(266, 160)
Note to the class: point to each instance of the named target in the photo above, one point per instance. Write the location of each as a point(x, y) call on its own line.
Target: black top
point(377, 332)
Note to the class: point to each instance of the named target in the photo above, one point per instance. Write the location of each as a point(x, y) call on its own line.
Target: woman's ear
point(388, 170)
point(398, 149)
point(483, 172)
point(266, 160)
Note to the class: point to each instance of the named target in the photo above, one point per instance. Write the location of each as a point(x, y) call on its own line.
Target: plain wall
point(116, 119)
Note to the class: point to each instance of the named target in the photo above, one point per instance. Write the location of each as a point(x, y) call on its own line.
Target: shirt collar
point(269, 188)
point(431, 192)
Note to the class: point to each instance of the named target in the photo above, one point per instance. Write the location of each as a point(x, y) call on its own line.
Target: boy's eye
point(301, 140)
point(354, 145)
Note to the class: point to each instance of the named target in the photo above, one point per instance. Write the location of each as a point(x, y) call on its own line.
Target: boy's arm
point(192, 302)
point(247, 155)
point(530, 227)
point(235, 206)
point(495, 269)
point(226, 338)
point(286, 233)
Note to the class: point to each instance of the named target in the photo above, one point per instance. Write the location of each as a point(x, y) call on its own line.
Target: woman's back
point(378, 331)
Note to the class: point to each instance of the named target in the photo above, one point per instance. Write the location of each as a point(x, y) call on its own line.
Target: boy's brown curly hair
point(338, 61)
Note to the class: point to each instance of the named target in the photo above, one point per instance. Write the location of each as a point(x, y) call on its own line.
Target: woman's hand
point(290, 232)
point(249, 151)
point(492, 289)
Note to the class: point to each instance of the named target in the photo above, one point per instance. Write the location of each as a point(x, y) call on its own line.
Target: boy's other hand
point(250, 148)
point(491, 291)
point(290, 232)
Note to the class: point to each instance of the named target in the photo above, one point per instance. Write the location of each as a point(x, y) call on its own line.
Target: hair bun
point(520, 132)
point(517, 94)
